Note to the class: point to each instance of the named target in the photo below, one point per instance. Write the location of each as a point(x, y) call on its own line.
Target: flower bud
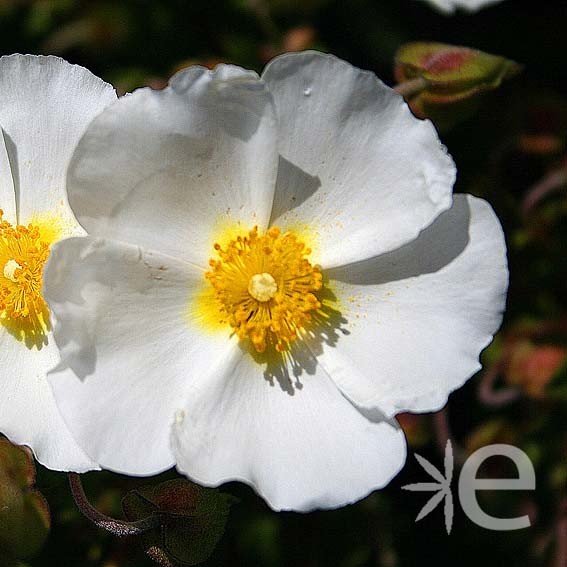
point(448, 78)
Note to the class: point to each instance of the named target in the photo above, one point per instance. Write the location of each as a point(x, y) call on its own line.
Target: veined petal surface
point(45, 107)
point(28, 414)
point(167, 169)
point(129, 348)
point(419, 317)
point(356, 166)
point(284, 428)
point(413, 282)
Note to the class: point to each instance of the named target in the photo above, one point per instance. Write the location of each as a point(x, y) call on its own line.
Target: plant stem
point(491, 397)
point(116, 527)
point(552, 182)
point(411, 88)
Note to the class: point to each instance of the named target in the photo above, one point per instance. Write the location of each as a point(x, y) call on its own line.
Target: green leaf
point(24, 513)
point(192, 520)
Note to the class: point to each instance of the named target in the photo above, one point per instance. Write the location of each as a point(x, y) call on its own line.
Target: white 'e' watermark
point(469, 484)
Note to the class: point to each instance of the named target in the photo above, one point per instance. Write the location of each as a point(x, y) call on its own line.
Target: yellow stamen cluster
point(266, 287)
point(23, 254)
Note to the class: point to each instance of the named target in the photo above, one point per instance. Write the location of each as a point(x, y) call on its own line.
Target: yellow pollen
point(262, 287)
point(265, 287)
point(23, 253)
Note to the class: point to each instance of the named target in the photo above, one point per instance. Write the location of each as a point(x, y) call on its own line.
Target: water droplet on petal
point(179, 416)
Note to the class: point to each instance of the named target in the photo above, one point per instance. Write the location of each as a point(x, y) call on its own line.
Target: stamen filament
point(266, 287)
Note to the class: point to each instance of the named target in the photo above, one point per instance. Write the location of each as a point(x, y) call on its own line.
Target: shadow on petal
point(32, 331)
point(289, 367)
point(421, 256)
point(293, 187)
point(12, 153)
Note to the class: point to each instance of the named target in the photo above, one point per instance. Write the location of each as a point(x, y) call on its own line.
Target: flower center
point(262, 287)
point(23, 253)
point(266, 287)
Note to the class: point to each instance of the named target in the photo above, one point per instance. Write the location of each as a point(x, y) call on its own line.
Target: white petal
point(450, 6)
point(7, 192)
point(165, 169)
point(123, 327)
point(418, 317)
point(356, 166)
point(288, 433)
point(45, 107)
point(28, 414)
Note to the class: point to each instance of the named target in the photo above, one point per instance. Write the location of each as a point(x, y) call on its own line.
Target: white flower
point(450, 6)
point(45, 106)
point(177, 341)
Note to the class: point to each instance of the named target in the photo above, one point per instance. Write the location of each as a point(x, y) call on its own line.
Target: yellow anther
point(23, 254)
point(265, 287)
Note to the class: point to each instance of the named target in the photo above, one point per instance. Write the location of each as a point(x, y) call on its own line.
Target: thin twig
point(491, 397)
point(116, 527)
point(552, 182)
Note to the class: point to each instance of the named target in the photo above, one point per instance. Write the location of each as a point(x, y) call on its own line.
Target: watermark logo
point(469, 484)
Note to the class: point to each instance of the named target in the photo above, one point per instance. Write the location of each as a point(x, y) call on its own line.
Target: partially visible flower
point(450, 6)
point(45, 106)
point(277, 269)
